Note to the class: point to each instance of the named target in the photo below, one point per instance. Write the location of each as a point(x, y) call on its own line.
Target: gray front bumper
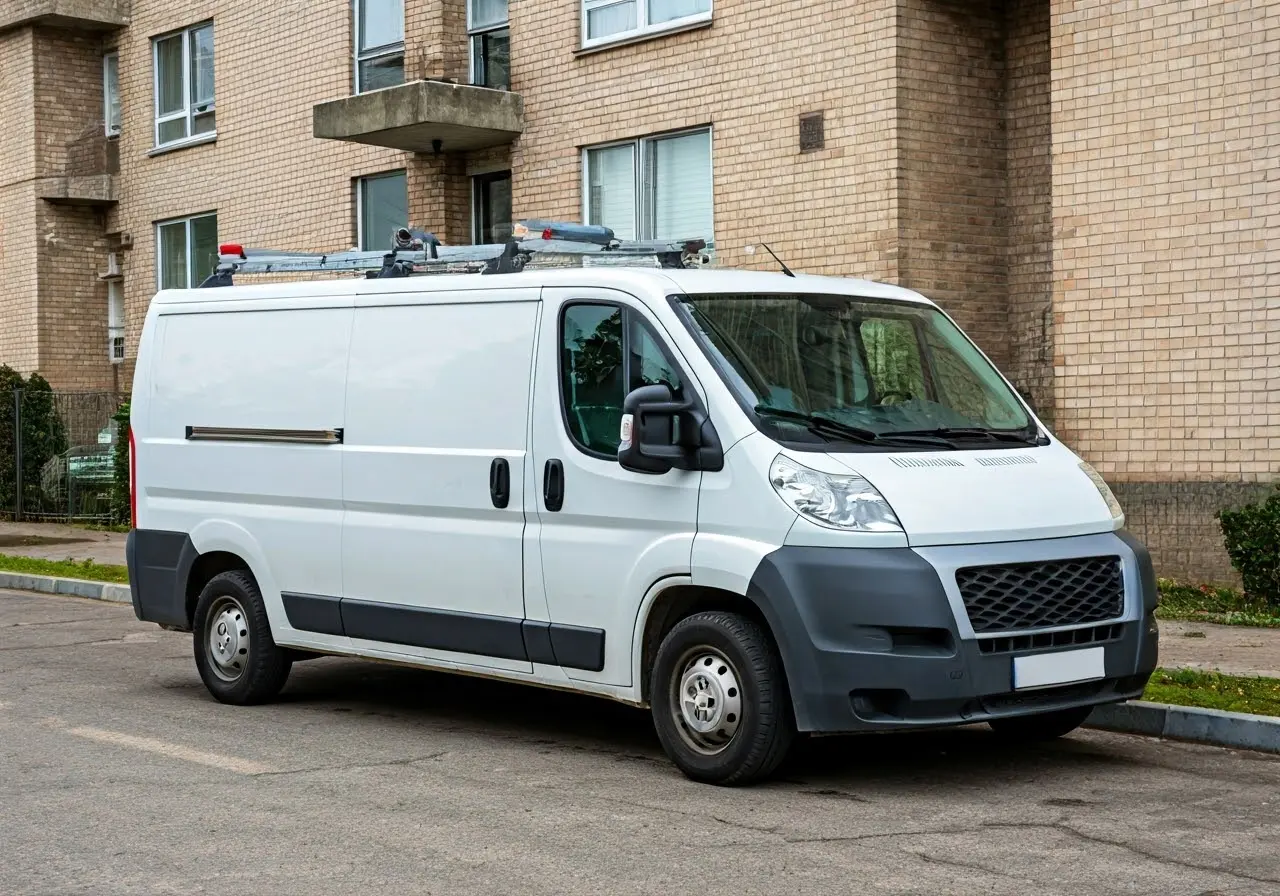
point(879, 639)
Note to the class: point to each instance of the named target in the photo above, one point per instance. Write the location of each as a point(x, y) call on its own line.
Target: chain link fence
point(58, 455)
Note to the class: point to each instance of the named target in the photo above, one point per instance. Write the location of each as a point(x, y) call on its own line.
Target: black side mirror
point(660, 433)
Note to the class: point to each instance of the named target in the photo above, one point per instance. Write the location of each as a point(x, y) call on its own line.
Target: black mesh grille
point(1022, 596)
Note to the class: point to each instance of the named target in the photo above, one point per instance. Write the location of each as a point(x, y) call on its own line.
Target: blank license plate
point(1066, 667)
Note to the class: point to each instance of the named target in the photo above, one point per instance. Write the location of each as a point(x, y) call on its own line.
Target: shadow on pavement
point(964, 758)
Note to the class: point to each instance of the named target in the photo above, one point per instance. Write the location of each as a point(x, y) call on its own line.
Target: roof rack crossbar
point(416, 252)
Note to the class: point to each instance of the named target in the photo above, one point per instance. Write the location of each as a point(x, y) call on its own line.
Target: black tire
point(1041, 726)
point(261, 666)
point(764, 727)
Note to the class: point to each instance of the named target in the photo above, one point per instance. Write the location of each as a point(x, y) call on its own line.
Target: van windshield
point(831, 368)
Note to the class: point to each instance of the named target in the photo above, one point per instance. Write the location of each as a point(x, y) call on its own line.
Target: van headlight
point(1117, 513)
point(838, 502)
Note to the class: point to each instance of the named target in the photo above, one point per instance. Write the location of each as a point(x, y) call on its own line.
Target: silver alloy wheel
point(706, 700)
point(228, 638)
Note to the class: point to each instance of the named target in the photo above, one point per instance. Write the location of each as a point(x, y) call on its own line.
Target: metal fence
point(57, 455)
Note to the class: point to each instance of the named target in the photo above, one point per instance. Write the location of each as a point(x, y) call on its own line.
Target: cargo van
point(760, 505)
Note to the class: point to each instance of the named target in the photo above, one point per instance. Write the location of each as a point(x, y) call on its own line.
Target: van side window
point(606, 351)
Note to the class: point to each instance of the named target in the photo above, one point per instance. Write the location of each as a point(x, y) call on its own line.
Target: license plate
point(1065, 667)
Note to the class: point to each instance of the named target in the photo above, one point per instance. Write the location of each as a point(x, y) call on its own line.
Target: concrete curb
point(75, 587)
point(1203, 726)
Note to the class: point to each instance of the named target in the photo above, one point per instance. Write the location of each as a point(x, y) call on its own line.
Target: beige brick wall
point(18, 238)
point(750, 75)
point(1029, 160)
point(1166, 144)
point(952, 177)
point(269, 180)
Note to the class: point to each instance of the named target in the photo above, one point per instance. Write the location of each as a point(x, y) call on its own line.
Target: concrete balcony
point(89, 15)
point(416, 115)
point(85, 189)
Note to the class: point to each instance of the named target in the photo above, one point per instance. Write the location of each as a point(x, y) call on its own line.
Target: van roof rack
point(416, 252)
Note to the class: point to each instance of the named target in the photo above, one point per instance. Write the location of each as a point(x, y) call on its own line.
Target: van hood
point(972, 497)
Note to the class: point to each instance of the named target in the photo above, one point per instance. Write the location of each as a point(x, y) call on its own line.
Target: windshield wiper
point(825, 426)
point(969, 432)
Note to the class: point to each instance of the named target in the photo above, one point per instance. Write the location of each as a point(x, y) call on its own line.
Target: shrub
point(1252, 538)
point(44, 436)
point(120, 468)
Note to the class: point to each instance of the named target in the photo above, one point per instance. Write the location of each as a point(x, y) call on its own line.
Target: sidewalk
point(47, 541)
point(1232, 650)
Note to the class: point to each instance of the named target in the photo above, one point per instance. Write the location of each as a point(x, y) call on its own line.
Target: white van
point(761, 505)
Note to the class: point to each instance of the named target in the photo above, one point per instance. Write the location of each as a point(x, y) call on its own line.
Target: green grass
point(1211, 690)
point(66, 569)
point(1204, 603)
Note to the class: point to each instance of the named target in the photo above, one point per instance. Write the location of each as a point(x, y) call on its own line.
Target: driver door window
point(606, 351)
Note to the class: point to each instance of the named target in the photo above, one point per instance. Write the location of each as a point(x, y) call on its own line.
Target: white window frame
point(642, 16)
point(476, 206)
point(110, 60)
point(359, 187)
point(189, 108)
point(473, 32)
point(115, 320)
point(379, 52)
point(640, 149)
point(187, 236)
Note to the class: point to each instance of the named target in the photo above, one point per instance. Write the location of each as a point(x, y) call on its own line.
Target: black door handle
point(553, 485)
point(500, 482)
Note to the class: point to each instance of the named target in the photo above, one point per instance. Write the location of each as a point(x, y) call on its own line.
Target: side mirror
point(660, 433)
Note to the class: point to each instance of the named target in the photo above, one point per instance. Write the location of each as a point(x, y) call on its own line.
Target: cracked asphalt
point(119, 774)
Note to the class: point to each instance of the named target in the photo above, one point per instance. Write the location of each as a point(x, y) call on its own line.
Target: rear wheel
point(238, 659)
point(720, 701)
point(1041, 726)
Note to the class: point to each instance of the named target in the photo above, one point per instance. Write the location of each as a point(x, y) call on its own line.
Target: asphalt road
point(119, 774)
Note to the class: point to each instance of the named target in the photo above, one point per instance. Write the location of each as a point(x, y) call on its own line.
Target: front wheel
point(720, 701)
point(1041, 726)
point(238, 659)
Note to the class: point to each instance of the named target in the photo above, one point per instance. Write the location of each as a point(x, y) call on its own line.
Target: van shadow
point(962, 758)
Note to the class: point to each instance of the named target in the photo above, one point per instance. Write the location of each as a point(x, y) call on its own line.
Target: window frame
point(629, 313)
point(359, 184)
point(110, 74)
point(115, 322)
point(361, 55)
point(187, 221)
point(641, 31)
point(478, 31)
point(478, 183)
point(188, 112)
point(641, 147)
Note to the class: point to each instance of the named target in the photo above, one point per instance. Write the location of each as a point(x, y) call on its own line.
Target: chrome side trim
point(288, 436)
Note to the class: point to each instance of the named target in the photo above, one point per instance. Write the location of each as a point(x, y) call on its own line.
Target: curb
point(1189, 723)
point(74, 587)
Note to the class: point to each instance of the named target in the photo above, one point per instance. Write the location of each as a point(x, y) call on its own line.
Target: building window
point(379, 44)
point(491, 207)
point(382, 206)
point(184, 85)
point(186, 251)
point(111, 93)
point(490, 43)
point(653, 188)
point(605, 21)
point(115, 321)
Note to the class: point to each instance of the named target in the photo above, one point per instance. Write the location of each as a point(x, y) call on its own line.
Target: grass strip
point(1213, 690)
point(65, 569)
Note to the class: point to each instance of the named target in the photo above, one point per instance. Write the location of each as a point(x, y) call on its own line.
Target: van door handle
point(500, 482)
point(553, 485)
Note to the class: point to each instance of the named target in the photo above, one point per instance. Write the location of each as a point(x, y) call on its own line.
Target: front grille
point(1072, 637)
point(1047, 594)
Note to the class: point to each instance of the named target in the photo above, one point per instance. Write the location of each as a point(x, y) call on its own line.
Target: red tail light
point(133, 481)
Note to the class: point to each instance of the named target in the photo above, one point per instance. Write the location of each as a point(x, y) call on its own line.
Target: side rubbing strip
point(236, 434)
point(313, 613)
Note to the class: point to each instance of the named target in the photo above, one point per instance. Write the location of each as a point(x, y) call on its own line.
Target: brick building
point(1089, 186)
